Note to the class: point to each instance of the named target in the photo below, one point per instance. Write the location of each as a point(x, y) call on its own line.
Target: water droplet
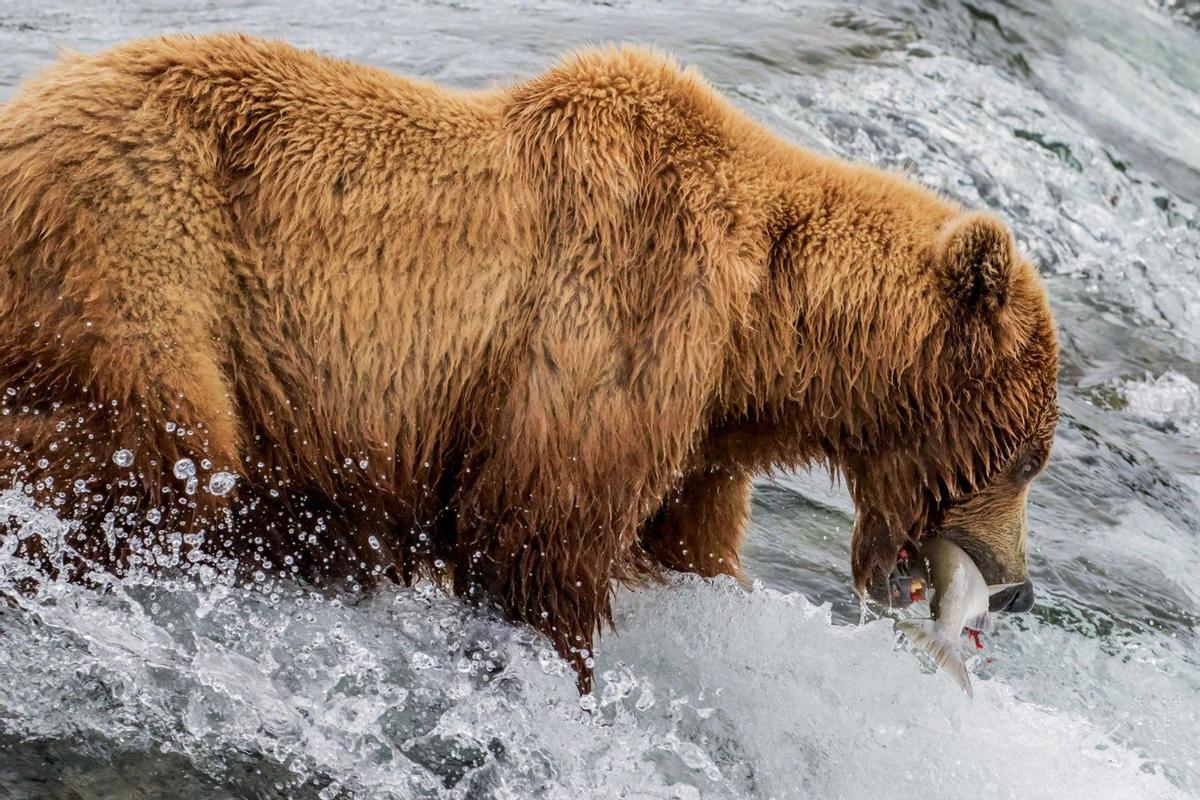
point(184, 468)
point(123, 458)
point(221, 483)
point(153, 516)
point(374, 542)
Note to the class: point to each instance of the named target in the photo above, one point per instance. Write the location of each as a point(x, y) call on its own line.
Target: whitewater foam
point(708, 690)
point(1169, 399)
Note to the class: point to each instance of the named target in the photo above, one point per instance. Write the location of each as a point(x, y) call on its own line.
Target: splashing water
point(1170, 399)
point(710, 691)
point(222, 483)
point(1078, 122)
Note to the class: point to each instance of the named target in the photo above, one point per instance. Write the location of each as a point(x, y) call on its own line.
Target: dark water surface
point(1079, 122)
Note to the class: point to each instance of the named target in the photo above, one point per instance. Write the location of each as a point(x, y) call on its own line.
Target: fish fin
point(981, 623)
point(945, 652)
point(993, 588)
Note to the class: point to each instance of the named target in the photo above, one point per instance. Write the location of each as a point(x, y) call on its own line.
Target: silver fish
point(960, 600)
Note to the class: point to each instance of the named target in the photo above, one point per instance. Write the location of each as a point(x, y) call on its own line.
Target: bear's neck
point(846, 324)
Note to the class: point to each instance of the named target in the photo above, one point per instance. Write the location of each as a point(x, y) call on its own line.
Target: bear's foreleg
point(701, 524)
point(546, 564)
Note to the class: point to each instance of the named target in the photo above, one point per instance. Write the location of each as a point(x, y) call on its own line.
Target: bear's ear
point(977, 259)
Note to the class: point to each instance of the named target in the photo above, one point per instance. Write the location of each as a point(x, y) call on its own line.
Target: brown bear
point(525, 341)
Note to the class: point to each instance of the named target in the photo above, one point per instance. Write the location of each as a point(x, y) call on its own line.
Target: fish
point(960, 600)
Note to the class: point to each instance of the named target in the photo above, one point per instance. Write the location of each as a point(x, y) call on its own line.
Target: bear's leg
point(115, 356)
point(577, 443)
point(549, 564)
point(564, 595)
point(110, 476)
point(701, 524)
point(332, 546)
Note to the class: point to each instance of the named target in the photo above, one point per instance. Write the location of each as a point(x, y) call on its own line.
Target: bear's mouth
point(907, 582)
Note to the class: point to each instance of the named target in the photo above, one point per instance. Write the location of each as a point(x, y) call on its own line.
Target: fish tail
point(945, 651)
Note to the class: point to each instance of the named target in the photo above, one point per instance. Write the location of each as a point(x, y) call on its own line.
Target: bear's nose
point(1015, 599)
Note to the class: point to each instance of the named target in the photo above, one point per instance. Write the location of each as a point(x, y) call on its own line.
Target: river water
point(1079, 122)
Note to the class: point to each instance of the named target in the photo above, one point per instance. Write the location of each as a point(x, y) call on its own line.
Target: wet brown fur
point(561, 323)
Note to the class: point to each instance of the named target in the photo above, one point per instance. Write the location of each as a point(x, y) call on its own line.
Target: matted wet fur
point(530, 340)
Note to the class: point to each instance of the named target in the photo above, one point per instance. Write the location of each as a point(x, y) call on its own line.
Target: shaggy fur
point(527, 340)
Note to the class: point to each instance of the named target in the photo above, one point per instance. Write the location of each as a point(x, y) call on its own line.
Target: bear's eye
point(1028, 467)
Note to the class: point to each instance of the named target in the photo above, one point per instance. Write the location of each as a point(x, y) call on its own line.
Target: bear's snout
point(1014, 600)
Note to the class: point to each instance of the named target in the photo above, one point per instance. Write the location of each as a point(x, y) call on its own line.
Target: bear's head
point(975, 422)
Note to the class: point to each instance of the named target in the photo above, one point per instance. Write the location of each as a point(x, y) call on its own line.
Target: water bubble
point(123, 458)
point(153, 516)
point(184, 468)
point(374, 542)
point(221, 483)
